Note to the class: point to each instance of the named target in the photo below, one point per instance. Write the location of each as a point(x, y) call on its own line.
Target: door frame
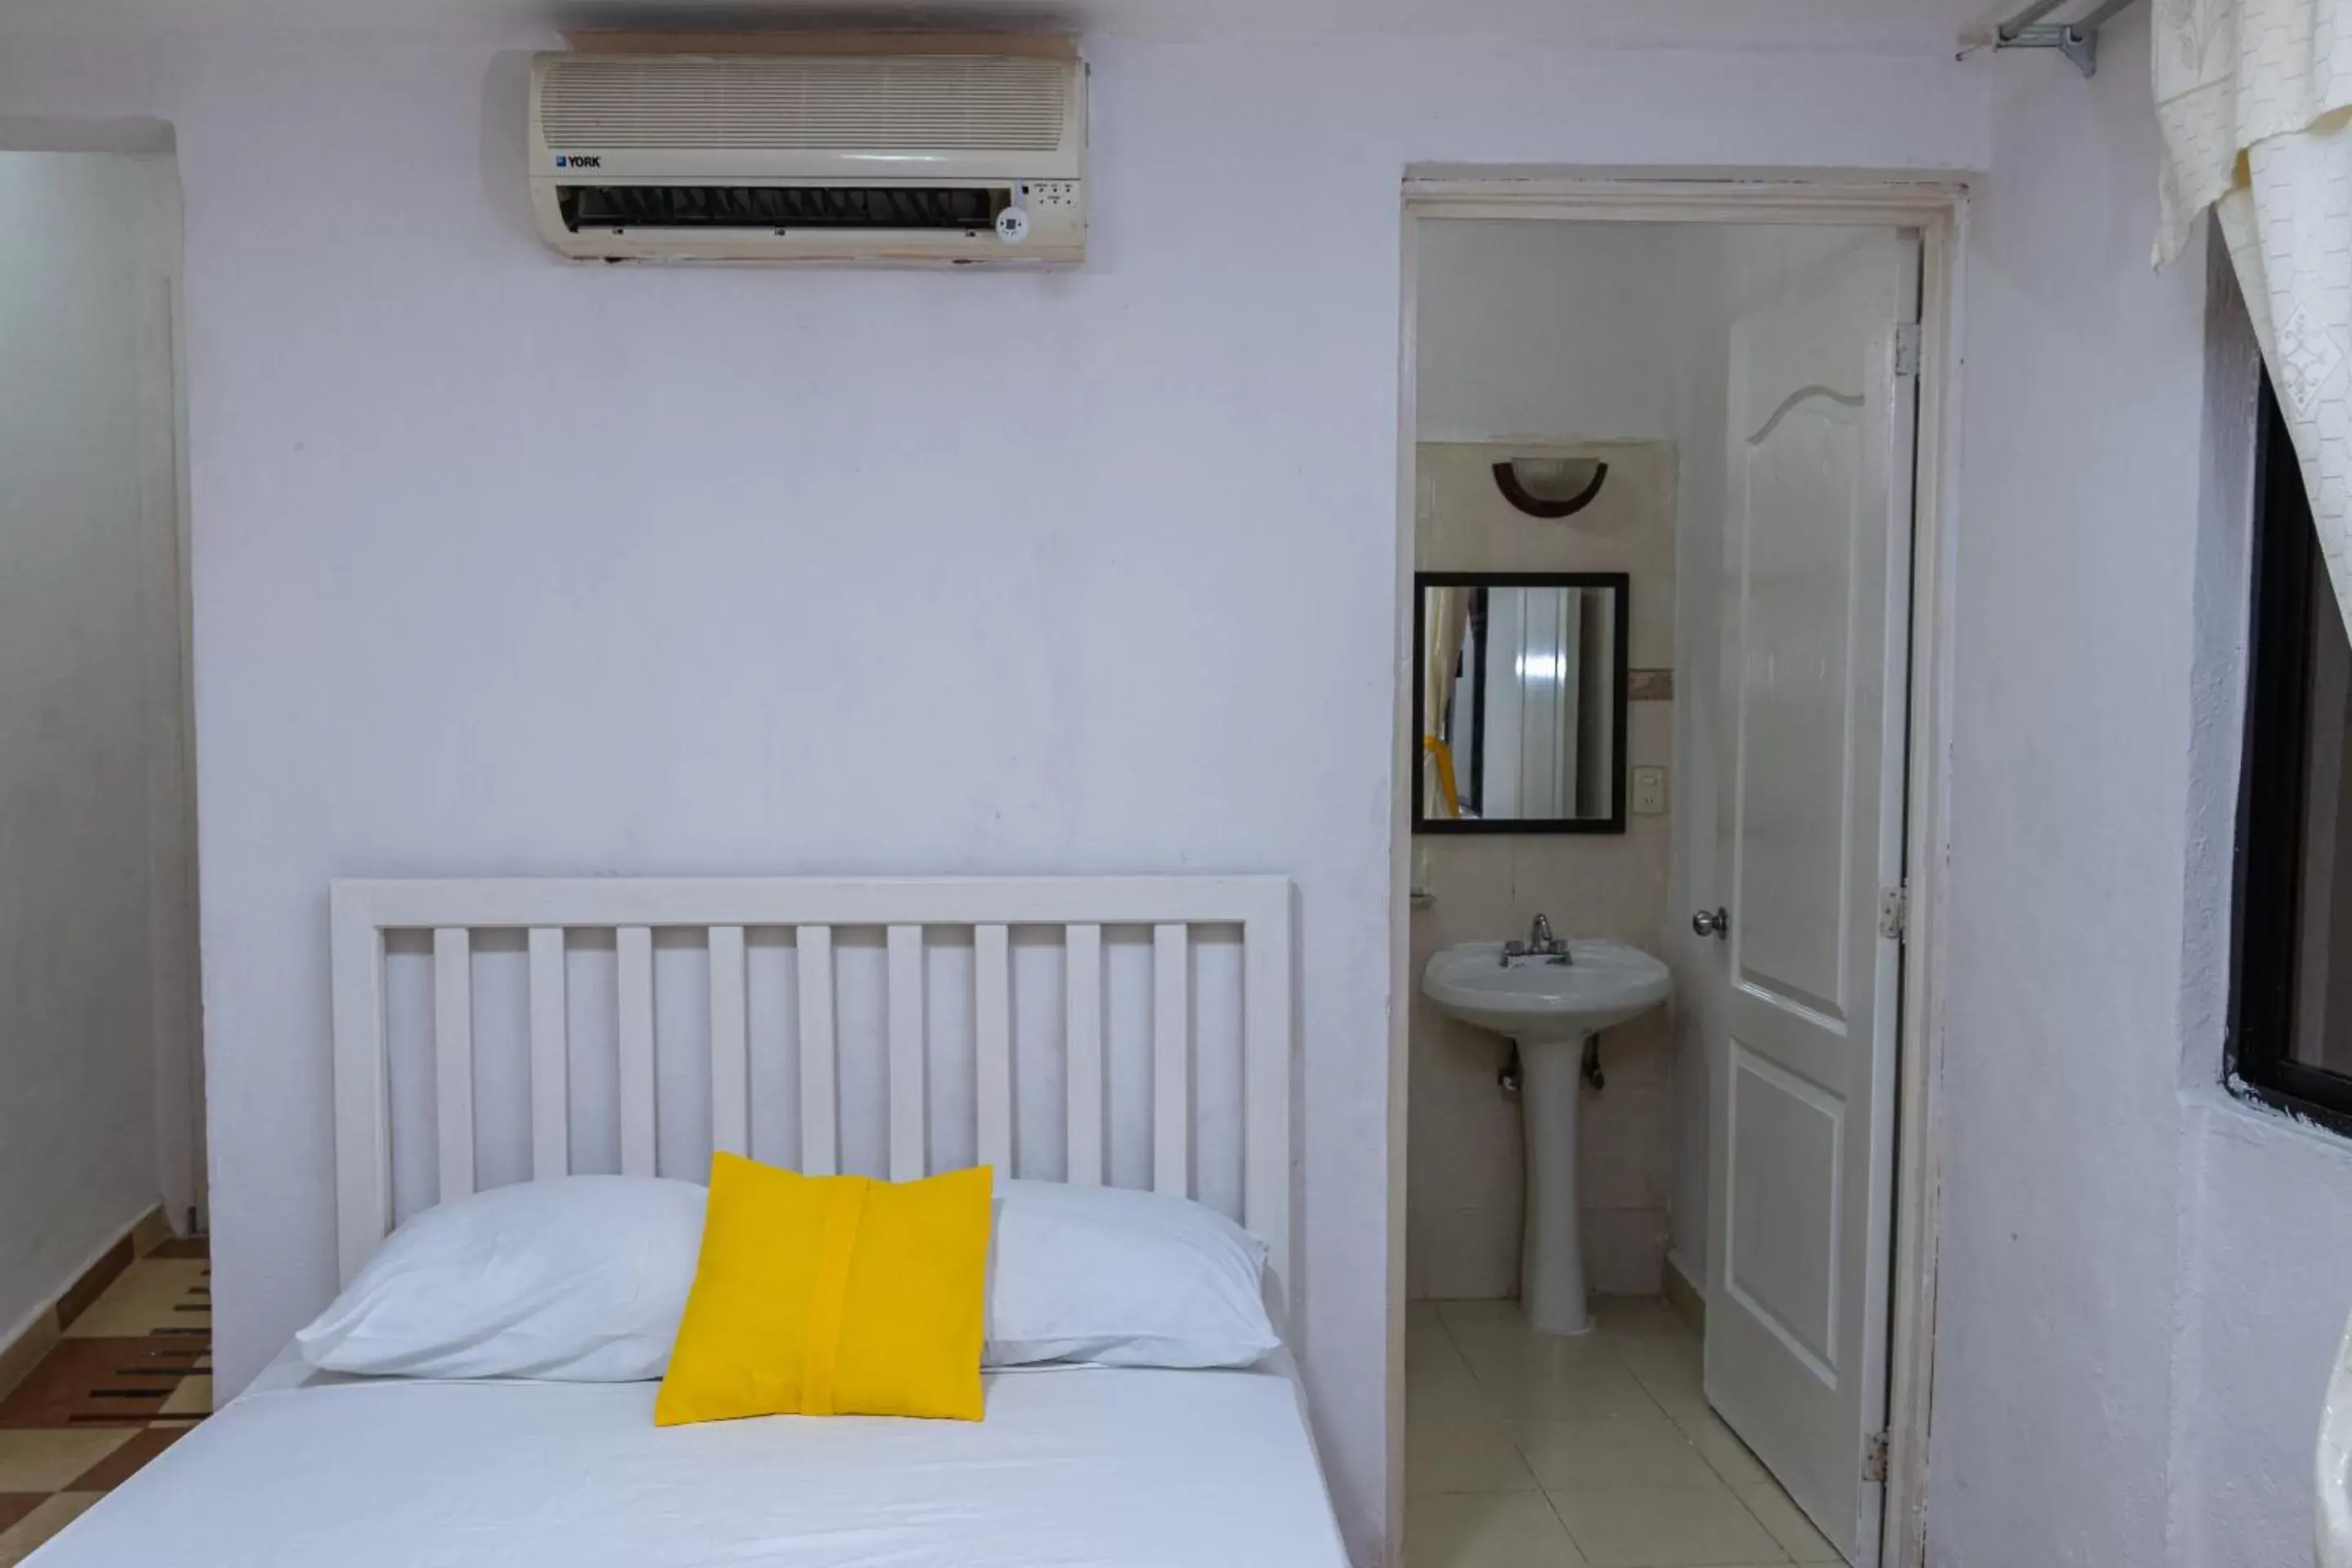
point(1937, 207)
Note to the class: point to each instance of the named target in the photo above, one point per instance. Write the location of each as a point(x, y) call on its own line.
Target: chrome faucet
point(1540, 943)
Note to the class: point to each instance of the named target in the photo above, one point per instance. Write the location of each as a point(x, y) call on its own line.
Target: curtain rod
point(2078, 40)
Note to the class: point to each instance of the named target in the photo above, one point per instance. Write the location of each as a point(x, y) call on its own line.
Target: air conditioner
point(945, 158)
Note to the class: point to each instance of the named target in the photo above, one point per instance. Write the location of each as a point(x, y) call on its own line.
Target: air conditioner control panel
point(1052, 213)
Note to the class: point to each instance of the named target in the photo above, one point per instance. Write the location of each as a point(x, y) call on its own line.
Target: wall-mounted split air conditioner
point(944, 158)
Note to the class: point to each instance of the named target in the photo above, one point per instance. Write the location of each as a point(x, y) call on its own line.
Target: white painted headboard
point(555, 913)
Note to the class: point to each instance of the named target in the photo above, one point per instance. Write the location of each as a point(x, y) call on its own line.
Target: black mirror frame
point(1620, 586)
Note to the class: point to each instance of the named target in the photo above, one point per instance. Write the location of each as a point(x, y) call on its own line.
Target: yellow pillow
point(833, 1296)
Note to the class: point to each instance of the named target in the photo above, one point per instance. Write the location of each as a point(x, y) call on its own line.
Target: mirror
point(1519, 701)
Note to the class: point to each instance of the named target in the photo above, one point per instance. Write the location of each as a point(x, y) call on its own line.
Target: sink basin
point(1551, 1009)
point(1534, 999)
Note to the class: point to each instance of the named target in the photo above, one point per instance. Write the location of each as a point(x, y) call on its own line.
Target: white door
point(1815, 662)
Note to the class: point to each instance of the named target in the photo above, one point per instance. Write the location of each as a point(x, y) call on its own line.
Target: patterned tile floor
point(132, 1372)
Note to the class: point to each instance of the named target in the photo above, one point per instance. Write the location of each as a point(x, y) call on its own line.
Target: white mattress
point(1114, 1467)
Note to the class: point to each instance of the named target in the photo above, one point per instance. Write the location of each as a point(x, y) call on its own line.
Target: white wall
point(1581, 331)
point(2080, 427)
point(89, 656)
point(2268, 1283)
point(2142, 1279)
point(507, 566)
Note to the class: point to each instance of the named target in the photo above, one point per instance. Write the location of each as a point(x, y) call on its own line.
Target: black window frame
point(2289, 587)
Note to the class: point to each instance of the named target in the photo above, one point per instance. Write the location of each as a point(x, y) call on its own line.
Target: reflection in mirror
point(1521, 696)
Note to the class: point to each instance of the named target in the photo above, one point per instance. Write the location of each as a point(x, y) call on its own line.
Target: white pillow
point(584, 1278)
point(1121, 1278)
point(578, 1280)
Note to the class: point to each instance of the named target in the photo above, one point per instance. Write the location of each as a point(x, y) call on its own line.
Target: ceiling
point(1876, 25)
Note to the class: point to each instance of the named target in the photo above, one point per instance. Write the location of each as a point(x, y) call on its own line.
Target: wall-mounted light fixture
point(1550, 487)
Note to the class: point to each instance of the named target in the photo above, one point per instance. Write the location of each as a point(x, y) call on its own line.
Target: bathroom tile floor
point(1525, 1450)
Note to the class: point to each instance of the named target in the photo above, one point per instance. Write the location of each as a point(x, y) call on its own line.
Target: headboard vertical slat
point(551, 1058)
point(1172, 1051)
point(991, 959)
point(909, 1152)
point(1083, 1065)
point(634, 947)
point(820, 1119)
point(1265, 1073)
point(730, 1043)
point(453, 1059)
point(362, 1088)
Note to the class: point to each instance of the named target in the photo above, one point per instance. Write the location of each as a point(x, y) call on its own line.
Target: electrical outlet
point(1648, 791)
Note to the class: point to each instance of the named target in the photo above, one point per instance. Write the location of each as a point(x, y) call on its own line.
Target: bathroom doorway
point(1673, 464)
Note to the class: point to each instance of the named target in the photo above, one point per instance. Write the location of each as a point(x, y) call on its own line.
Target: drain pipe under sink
point(1507, 1082)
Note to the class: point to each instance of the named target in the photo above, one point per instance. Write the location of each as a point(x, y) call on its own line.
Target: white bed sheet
point(1115, 1468)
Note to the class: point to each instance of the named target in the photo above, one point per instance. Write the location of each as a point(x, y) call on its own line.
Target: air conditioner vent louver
point(778, 206)
point(915, 103)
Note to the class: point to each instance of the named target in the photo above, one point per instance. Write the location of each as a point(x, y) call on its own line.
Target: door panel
point(1786, 1136)
point(1816, 565)
point(1806, 464)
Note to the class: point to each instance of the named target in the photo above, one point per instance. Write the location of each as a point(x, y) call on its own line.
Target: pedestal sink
point(1550, 1008)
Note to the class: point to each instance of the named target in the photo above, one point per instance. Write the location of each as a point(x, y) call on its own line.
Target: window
point(2290, 1034)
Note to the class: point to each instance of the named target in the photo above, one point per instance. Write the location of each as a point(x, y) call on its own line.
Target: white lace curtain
point(2254, 97)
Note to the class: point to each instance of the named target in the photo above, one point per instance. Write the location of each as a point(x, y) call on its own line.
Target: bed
point(1122, 1468)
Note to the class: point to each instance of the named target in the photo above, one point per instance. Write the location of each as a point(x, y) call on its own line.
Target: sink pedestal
point(1551, 1252)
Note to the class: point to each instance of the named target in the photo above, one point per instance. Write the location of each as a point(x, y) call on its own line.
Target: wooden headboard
point(554, 915)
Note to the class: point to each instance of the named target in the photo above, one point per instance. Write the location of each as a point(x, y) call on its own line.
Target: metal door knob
point(1712, 922)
